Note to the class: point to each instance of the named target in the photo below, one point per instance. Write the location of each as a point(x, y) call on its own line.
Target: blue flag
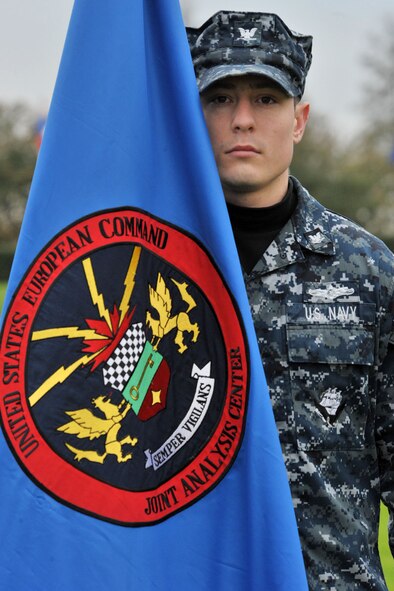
point(139, 450)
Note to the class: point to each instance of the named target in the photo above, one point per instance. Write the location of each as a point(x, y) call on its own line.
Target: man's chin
point(240, 185)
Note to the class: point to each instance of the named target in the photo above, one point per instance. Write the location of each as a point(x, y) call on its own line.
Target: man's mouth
point(243, 149)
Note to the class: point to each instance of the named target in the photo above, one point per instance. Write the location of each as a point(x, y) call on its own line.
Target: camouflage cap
point(238, 43)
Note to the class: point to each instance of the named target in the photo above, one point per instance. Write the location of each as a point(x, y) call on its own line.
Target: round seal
point(124, 369)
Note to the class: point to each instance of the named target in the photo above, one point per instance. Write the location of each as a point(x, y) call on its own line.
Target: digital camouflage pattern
point(322, 300)
point(238, 43)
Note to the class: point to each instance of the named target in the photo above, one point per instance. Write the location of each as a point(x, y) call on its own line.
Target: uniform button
point(283, 255)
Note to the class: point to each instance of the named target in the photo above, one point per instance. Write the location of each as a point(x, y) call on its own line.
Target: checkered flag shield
point(125, 357)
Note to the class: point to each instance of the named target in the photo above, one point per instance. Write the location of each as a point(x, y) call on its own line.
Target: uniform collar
point(310, 221)
point(308, 229)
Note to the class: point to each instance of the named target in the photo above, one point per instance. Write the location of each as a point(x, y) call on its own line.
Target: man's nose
point(243, 116)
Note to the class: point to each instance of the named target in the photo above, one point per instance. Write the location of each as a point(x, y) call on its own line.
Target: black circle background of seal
point(110, 267)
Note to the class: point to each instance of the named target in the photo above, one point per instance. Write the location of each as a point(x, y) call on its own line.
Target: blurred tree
point(317, 158)
point(378, 90)
point(357, 179)
point(17, 160)
point(376, 148)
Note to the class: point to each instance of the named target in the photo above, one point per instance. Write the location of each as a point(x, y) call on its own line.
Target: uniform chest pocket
point(330, 366)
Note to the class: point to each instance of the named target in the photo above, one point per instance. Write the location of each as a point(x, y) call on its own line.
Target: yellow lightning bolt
point(129, 283)
point(97, 297)
point(63, 373)
point(59, 377)
point(71, 332)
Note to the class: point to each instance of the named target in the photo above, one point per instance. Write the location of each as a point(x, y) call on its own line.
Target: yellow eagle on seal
point(86, 425)
point(160, 300)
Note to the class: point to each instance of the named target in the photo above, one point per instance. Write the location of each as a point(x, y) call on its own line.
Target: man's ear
point(300, 120)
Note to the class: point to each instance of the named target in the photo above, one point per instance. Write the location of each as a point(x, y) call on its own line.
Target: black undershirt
point(255, 227)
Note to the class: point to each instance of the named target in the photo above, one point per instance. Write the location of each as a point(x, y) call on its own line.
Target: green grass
point(3, 286)
point(385, 554)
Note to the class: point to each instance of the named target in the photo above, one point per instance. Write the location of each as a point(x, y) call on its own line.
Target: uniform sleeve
point(385, 434)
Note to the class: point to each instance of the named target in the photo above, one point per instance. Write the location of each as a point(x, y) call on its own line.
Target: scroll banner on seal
point(195, 416)
point(126, 284)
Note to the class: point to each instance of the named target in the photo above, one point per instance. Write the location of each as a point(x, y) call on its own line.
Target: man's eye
point(215, 100)
point(267, 100)
point(219, 100)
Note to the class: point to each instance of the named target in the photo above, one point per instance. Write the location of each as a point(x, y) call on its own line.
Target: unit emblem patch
point(124, 369)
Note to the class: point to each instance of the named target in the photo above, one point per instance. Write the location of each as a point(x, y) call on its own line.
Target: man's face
point(253, 126)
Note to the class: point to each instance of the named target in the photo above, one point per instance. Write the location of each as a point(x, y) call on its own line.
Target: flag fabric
point(139, 449)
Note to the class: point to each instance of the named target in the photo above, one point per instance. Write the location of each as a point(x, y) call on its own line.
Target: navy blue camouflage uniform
point(322, 300)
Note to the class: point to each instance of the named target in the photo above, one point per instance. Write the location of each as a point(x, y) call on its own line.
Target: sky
point(32, 34)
